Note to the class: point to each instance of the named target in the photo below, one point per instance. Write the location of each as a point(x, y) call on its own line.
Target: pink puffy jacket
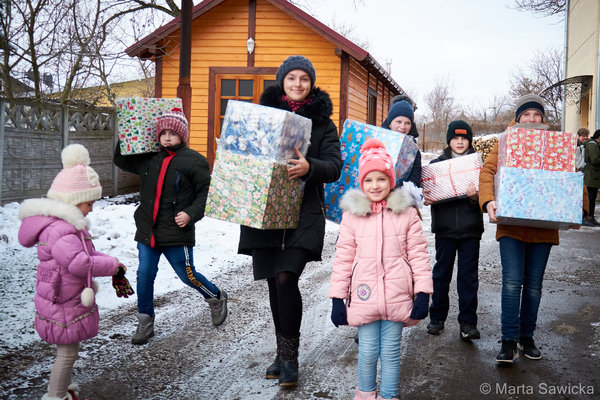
point(65, 269)
point(381, 259)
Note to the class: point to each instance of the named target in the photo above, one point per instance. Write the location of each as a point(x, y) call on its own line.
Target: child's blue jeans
point(182, 260)
point(523, 267)
point(379, 340)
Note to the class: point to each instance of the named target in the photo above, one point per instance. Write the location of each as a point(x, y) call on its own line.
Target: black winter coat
point(185, 188)
point(456, 219)
point(325, 166)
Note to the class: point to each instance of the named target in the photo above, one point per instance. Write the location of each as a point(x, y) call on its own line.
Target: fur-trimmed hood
point(319, 109)
point(48, 209)
point(357, 203)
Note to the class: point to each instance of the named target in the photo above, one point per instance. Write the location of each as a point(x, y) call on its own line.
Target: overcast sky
point(475, 44)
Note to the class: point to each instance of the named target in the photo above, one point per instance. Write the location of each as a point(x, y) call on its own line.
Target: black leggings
point(286, 303)
point(592, 194)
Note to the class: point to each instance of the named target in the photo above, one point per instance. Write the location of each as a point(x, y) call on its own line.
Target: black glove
point(420, 306)
point(338, 312)
point(121, 284)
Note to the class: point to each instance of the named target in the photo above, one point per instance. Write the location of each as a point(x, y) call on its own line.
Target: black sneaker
point(508, 352)
point(588, 222)
point(527, 347)
point(435, 327)
point(468, 332)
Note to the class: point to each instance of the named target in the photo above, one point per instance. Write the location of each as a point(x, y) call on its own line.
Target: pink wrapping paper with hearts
point(537, 149)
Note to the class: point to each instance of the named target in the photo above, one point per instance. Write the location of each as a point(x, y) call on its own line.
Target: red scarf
point(378, 206)
point(161, 179)
point(296, 105)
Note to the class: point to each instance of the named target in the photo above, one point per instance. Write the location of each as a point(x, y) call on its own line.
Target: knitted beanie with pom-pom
point(374, 157)
point(176, 121)
point(77, 182)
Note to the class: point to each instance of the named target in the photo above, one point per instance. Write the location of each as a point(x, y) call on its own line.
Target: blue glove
point(338, 312)
point(420, 306)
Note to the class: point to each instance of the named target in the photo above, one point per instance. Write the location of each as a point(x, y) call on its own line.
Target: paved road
point(190, 359)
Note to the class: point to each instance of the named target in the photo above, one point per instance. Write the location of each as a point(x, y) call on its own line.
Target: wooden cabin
point(224, 66)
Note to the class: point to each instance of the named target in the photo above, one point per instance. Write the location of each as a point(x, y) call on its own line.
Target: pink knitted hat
point(174, 120)
point(77, 182)
point(373, 157)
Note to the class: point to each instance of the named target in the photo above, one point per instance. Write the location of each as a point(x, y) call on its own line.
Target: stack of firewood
point(484, 145)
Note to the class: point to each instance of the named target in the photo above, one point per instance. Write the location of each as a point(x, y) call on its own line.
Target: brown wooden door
point(239, 87)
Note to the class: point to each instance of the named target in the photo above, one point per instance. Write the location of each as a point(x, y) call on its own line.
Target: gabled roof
point(147, 47)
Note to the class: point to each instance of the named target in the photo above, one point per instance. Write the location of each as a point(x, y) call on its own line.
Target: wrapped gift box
point(537, 198)
point(401, 148)
point(252, 191)
point(264, 132)
point(449, 179)
point(537, 149)
point(136, 122)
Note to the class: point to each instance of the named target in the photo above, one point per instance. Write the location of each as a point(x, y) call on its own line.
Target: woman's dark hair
point(596, 135)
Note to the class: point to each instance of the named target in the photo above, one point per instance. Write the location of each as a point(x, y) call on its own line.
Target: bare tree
point(442, 106)
point(78, 42)
point(543, 7)
point(544, 70)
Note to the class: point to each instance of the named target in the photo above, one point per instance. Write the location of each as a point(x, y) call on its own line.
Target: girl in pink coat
point(381, 269)
point(66, 312)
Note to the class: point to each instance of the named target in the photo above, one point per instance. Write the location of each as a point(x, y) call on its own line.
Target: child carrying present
point(66, 312)
point(173, 189)
point(456, 235)
point(381, 268)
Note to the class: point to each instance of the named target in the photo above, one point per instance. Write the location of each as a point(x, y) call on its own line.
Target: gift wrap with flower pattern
point(537, 149)
point(136, 122)
point(265, 132)
point(537, 198)
point(252, 191)
point(400, 147)
point(448, 179)
point(249, 183)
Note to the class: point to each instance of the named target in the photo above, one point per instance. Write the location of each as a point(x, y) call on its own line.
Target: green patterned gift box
point(254, 192)
point(136, 122)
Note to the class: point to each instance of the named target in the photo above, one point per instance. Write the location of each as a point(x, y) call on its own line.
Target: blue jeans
point(523, 267)
point(379, 339)
point(181, 259)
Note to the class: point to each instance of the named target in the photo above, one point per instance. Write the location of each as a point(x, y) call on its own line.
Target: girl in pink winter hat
point(381, 270)
point(66, 312)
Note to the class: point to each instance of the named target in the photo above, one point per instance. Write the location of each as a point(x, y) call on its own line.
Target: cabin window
point(238, 87)
point(372, 107)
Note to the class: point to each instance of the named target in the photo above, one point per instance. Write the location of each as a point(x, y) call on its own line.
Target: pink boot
point(381, 398)
point(360, 395)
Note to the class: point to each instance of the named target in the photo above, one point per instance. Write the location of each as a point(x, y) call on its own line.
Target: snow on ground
point(112, 229)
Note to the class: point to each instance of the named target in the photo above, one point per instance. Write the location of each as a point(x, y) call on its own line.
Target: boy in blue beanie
point(401, 118)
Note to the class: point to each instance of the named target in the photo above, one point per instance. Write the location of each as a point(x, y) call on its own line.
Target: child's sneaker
point(468, 332)
point(218, 308)
point(435, 327)
point(508, 352)
point(527, 347)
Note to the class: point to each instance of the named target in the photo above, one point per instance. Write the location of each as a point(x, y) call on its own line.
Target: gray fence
point(32, 135)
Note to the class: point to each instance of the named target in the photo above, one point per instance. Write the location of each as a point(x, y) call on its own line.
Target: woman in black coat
point(279, 255)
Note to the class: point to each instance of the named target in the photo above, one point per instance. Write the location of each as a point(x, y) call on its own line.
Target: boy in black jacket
point(173, 188)
point(458, 226)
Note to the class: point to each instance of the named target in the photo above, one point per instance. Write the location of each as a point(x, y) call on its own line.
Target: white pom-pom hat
point(77, 182)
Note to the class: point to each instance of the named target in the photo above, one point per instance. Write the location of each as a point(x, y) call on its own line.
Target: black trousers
point(467, 278)
point(592, 194)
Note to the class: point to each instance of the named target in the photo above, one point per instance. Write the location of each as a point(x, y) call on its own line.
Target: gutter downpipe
point(564, 111)
point(597, 108)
